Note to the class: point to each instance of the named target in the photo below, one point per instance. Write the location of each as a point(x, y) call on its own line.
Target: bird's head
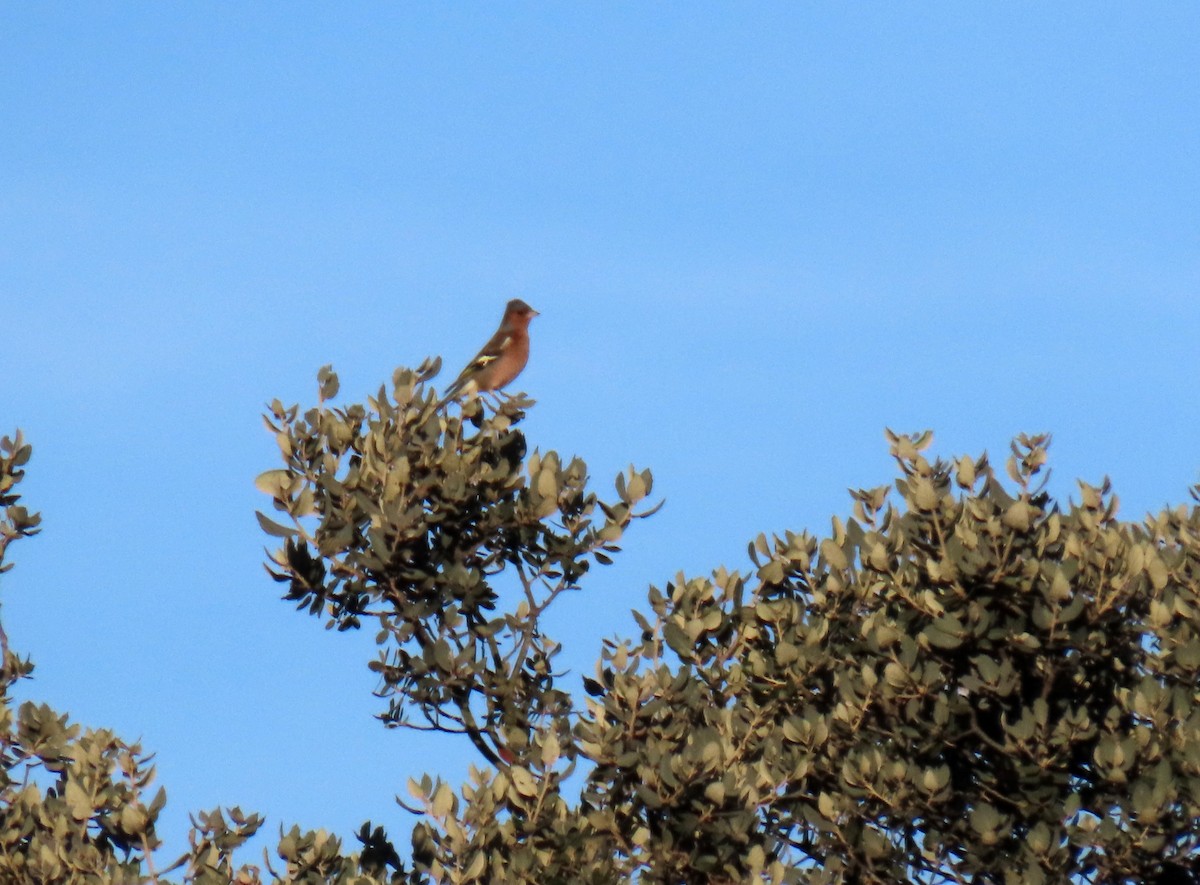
point(518, 313)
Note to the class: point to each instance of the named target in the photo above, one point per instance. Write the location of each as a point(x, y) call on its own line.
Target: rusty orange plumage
point(503, 357)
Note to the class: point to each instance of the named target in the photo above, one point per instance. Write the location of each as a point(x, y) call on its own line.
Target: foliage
point(77, 805)
point(398, 513)
point(965, 681)
point(973, 687)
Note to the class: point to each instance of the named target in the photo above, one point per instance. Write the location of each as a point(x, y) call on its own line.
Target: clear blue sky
point(758, 234)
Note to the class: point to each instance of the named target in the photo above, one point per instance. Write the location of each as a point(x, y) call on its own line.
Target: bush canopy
point(966, 681)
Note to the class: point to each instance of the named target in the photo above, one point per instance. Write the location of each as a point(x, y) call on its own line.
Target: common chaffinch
point(503, 357)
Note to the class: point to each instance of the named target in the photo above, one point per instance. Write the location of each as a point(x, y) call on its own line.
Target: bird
point(502, 358)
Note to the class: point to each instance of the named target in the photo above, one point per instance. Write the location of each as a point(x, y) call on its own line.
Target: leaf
point(328, 383)
point(635, 488)
point(273, 482)
point(1039, 838)
point(1023, 728)
point(677, 639)
point(965, 474)
point(1160, 614)
point(1060, 587)
point(78, 801)
point(771, 572)
point(273, 528)
point(523, 781)
point(443, 656)
point(786, 654)
point(443, 801)
point(550, 750)
point(134, 819)
point(924, 494)
point(756, 858)
point(935, 779)
point(476, 867)
point(1156, 570)
point(834, 556)
point(1018, 516)
point(985, 819)
point(1188, 654)
point(547, 482)
point(946, 632)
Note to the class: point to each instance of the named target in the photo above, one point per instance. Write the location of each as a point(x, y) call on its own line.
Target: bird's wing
point(490, 353)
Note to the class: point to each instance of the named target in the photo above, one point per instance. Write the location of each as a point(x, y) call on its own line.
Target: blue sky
point(758, 234)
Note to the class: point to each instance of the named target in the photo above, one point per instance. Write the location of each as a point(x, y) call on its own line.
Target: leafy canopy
point(965, 681)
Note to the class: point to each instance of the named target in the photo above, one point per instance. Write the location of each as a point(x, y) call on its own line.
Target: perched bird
point(502, 358)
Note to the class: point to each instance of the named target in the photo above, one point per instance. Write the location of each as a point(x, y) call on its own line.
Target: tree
point(964, 682)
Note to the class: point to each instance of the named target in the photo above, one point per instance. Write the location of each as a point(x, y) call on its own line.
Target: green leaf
point(273, 528)
point(1019, 516)
point(328, 383)
point(677, 640)
point(635, 488)
point(79, 803)
point(134, 819)
point(834, 555)
point(965, 474)
point(946, 632)
point(925, 497)
point(524, 781)
point(786, 654)
point(273, 482)
point(477, 865)
point(1156, 570)
point(443, 801)
point(985, 819)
